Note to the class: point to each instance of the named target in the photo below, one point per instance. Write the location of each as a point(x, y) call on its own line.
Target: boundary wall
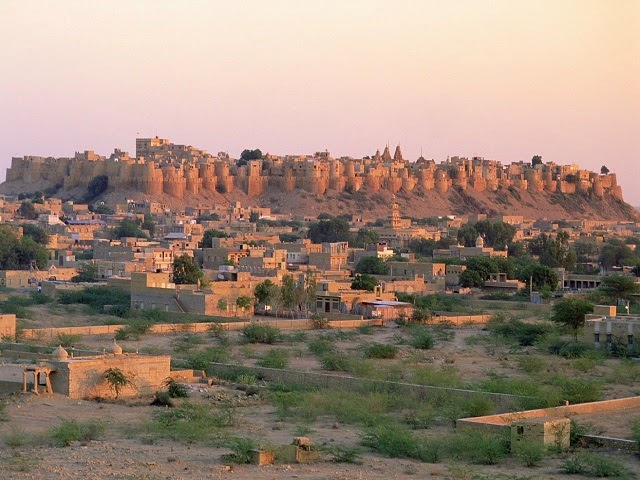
point(502, 402)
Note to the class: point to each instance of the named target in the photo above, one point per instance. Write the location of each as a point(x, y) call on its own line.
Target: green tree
point(209, 235)
point(542, 276)
point(96, 187)
point(38, 234)
point(128, 228)
point(422, 247)
point(148, 224)
point(265, 292)
point(289, 293)
point(102, 209)
point(254, 217)
point(470, 279)
point(20, 253)
point(373, 266)
point(616, 254)
point(332, 230)
point(365, 237)
point(536, 160)
point(604, 170)
point(571, 313)
point(619, 287)
point(117, 380)
point(244, 302)
point(251, 154)
point(186, 270)
point(364, 282)
point(222, 304)
point(88, 272)
point(495, 234)
point(27, 210)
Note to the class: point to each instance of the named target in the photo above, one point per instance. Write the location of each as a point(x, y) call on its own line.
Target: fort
point(161, 167)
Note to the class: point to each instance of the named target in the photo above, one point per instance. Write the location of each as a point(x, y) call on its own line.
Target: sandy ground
point(121, 453)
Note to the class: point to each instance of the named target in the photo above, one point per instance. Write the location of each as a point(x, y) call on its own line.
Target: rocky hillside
point(418, 203)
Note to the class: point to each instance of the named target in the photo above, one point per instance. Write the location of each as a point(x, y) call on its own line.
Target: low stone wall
point(282, 324)
point(502, 402)
point(459, 319)
point(503, 422)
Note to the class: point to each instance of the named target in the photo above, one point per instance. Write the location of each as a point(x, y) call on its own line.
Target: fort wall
point(163, 167)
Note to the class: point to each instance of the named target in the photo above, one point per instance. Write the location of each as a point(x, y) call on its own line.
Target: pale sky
point(501, 79)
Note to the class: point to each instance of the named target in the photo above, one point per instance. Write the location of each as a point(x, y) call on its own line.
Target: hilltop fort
point(185, 173)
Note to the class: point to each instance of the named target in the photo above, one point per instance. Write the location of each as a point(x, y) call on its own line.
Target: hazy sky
point(500, 79)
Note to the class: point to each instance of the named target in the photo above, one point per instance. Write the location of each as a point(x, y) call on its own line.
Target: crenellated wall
point(162, 167)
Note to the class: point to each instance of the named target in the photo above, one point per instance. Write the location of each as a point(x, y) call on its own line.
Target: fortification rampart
point(163, 167)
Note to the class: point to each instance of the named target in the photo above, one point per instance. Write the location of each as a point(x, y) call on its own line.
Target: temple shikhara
point(160, 166)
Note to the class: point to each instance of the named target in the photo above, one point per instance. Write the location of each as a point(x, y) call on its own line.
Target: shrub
point(343, 454)
point(117, 380)
point(67, 339)
point(257, 333)
point(421, 339)
point(321, 346)
point(592, 465)
point(190, 423)
point(525, 334)
point(531, 453)
point(70, 431)
point(578, 390)
point(380, 350)
point(478, 447)
point(569, 349)
point(275, 358)
point(445, 376)
point(241, 447)
point(335, 362)
point(162, 399)
point(186, 342)
point(392, 440)
point(15, 437)
point(176, 389)
point(97, 298)
point(133, 331)
point(201, 360)
point(320, 322)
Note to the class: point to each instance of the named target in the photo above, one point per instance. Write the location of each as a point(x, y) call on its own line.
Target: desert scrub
point(530, 453)
point(478, 447)
point(593, 465)
point(241, 448)
point(176, 389)
point(336, 362)
point(202, 359)
point(275, 358)
point(70, 431)
point(133, 330)
point(380, 350)
point(343, 453)
point(67, 339)
point(15, 437)
point(392, 440)
point(260, 333)
point(321, 345)
point(421, 338)
point(191, 423)
point(443, 376)
point(186, 343)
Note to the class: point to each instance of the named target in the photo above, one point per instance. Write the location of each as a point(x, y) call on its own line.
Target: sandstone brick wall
point(8, 325)
point(82, 377)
